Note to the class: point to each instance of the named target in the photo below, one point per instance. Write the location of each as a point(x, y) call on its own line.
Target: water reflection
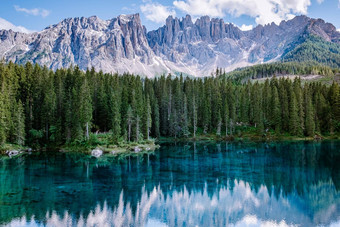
point(184, 185)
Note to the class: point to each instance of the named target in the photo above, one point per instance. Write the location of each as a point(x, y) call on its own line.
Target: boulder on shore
point(12, 153)
point(317, 137)
point(96, 153)
point(137, 149)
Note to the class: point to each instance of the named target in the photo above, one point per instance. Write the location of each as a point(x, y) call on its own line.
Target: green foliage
point(40, 107)
point(316, 50)
point(279, 68)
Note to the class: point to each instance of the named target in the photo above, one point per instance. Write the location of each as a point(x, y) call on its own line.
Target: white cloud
point(4, 24)
point(246, 27)
point(264, 11)
point(156, 12)
point(34, 12)
point(320, 1)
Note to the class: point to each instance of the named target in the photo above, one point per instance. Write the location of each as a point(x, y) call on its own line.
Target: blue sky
point(37, 14)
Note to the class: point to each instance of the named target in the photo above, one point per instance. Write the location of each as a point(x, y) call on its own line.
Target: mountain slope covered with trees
point(278, 69)
point(316, 50)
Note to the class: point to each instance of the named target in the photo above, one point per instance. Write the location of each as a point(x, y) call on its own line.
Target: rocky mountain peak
point(122, 44)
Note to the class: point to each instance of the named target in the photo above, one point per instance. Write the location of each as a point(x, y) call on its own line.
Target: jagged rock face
point(113, 45)
point(123, 45)
point(211, 43)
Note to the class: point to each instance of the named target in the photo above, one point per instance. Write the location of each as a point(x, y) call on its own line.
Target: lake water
point(185, 184)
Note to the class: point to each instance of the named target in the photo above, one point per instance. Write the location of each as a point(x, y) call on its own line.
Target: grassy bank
point(101, 141)
point(104, 143)
point(248, 134)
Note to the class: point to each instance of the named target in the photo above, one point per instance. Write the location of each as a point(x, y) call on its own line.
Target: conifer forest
point(39, 106)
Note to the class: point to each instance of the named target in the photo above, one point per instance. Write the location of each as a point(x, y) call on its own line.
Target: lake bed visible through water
point(183, 184)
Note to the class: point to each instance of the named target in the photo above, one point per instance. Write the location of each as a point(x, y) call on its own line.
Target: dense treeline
point(315, 49)
point(278, 68)
point(39, 106)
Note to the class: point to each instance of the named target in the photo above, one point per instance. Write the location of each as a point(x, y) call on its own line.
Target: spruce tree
point(310, 124)
point(148, 119)
point(2, 121)
point(19, 124)
point(185, 122)
point(294, 121)
point(276, 110)
point(156, 120)
point(129, 119)
point(116, 118)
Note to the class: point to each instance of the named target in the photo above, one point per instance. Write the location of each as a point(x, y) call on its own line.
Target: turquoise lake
point(183, 184)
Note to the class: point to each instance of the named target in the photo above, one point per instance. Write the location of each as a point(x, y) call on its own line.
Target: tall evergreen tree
point(276, 110)
point(116, 118)
point(294, 121)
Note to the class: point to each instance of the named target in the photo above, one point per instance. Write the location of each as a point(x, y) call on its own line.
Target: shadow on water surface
point(185, 184)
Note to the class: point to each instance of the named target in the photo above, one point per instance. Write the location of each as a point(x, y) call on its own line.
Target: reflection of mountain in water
point(193, 184)
point(237, 206)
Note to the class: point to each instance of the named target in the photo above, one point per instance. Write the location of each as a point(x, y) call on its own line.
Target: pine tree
point(334, 99)
point(116, 118)
point(219, 124)
point(294, 122)
point(156, 119)
point(185, 123)
point(194, 117)
point(284, 100)
point(137, 121)
point(129, 119)
point(85, 108)
point(148, 118)
point(19, 124)
point(226, 118)
point(276, 110)
point(2, 121)
point(310, 124)
point(299, 102)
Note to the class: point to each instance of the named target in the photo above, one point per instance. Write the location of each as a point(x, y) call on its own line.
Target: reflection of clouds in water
point(239, 206)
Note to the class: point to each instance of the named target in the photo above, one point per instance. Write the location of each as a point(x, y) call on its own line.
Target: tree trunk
point(87, 131)
point(148, 129)
point(46, 134)
point(226, 128)
point(195, 120)
point(129, 134)
point(169, 105)
point(137, 128)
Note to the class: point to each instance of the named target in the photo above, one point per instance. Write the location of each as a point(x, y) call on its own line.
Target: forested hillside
point(39, 106)
point(316, 50)
point(278, 68)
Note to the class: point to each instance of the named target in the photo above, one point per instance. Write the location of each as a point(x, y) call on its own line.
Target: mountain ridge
point(123, 44)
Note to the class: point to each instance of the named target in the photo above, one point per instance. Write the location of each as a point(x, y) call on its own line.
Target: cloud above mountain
point(156, 12)
point(263, 11)
point(34, 12)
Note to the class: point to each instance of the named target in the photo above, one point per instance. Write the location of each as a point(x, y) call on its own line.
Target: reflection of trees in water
point(305, 174)
point(224, 207)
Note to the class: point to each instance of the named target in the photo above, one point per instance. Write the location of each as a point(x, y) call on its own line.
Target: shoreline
point(13, 150)
point(249, 137)
point(151, 145)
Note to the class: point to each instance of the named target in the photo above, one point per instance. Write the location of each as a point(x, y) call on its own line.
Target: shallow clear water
point(201, 184)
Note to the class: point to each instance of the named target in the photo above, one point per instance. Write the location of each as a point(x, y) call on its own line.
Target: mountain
point(122, 44)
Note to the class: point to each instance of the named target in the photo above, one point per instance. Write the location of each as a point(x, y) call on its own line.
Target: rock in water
point(12, 153)
point(96, 153)
point(137, 149)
